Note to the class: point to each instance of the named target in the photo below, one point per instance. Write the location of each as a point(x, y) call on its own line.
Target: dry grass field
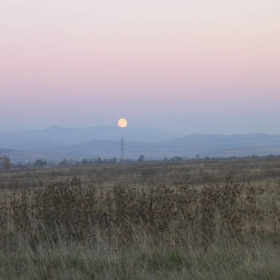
point(189, 220)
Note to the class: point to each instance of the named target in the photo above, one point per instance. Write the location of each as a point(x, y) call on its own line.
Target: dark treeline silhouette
point(40, 163)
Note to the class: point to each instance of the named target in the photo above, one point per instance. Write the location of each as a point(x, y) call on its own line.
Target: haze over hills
point(56, 143)
point(61, 135)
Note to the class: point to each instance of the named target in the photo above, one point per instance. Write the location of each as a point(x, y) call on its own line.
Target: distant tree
point(7, 163)
point(40, 163)
point(113, 160)
point(197, 156)
point(84, 161)
point(141, 158)
point(64, 162)
point(177, 159)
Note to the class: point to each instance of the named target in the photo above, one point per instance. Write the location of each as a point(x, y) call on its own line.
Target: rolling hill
point(187, 146)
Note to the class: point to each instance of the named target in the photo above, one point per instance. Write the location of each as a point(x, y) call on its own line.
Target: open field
point(189, 220)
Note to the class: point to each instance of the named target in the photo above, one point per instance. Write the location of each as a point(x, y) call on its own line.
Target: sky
point(192, 66)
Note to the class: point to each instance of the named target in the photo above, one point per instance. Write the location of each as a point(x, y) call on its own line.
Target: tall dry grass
point(157, 228)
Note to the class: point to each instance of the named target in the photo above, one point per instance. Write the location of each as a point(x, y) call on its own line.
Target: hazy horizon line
point(135, 127)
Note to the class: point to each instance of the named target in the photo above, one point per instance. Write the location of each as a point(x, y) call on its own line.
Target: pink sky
point(191, 66)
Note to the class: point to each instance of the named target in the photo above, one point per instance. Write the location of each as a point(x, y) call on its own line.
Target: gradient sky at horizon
point(191, 66)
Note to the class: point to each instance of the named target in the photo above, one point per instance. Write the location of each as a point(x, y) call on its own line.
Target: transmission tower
point(122, 149)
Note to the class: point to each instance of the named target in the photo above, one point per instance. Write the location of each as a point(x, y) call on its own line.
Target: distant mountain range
point(63, 135)
point(56, 143)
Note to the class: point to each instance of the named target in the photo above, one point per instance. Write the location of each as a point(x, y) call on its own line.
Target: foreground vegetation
point(194, 220)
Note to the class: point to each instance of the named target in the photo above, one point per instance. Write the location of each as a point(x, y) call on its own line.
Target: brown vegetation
point(195, 220)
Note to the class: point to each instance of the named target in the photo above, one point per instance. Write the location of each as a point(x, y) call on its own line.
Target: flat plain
point(200, 219)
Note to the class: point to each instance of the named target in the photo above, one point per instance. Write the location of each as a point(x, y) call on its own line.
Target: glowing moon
point(122, 123)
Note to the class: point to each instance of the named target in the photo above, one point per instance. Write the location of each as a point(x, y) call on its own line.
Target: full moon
point(122, 123)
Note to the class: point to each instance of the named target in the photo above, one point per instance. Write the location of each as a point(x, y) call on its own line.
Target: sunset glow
point(191, 66)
